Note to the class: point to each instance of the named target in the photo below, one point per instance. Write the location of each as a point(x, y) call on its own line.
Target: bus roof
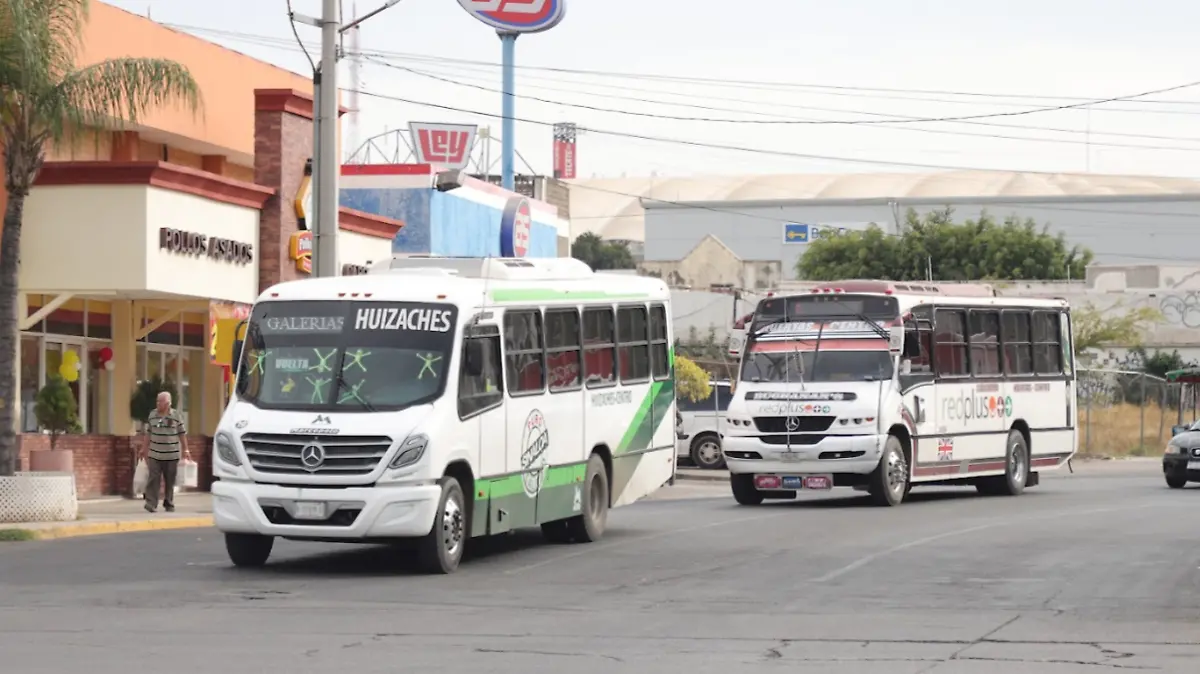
point(911, 294)
point(465, 281)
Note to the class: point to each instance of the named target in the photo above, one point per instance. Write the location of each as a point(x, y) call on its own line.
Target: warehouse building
point(750, 231)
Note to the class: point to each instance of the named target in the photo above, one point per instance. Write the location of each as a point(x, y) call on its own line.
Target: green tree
point(55, 409)
point(45, 99)
point(982, 249)
point(600, 254)
point(1092, 328)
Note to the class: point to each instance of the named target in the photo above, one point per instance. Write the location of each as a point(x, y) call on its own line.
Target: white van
point(703, 426)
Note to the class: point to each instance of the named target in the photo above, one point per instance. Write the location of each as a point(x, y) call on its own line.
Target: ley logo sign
point(517, 16)
point(447, 145)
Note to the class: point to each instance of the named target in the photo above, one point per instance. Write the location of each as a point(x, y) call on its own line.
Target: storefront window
point(54, 360)
point(31, 358)
point(99, 391)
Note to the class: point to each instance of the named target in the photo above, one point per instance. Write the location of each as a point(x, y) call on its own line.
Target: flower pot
point(52, 461)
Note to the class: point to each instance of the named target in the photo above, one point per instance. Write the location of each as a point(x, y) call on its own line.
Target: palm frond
point(116, 91)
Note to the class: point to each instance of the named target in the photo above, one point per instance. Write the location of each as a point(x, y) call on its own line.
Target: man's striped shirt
point(166, 431)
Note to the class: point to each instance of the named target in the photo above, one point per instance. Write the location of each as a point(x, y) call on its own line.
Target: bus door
point(481, 409)
point(527, 431)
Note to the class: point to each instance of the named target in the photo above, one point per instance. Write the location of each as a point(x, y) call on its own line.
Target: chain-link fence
point(1129, 413)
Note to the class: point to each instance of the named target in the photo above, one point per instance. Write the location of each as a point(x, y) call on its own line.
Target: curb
point(102, 528)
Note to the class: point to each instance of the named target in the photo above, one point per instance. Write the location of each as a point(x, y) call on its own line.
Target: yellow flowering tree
point(691, 381)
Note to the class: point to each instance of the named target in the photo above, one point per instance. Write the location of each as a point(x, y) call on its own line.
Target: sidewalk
point(119, 515)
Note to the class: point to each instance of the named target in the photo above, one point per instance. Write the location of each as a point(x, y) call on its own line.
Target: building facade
point(135, 243)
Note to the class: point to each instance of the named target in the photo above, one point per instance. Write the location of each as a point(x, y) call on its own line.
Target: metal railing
point(1128, 413)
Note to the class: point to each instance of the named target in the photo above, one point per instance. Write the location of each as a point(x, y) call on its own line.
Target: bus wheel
point(250, 550)
point(441, 549)
point(589, 527)
point(744, 491)
point(889, 482)
point(1016, 470)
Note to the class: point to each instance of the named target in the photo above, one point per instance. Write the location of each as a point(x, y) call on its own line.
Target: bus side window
point(480, 384)
point(523, 344)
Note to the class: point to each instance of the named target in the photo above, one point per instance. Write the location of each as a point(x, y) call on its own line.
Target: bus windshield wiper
point(352, 392)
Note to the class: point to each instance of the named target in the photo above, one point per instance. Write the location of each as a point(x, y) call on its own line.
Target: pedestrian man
point(163, 444)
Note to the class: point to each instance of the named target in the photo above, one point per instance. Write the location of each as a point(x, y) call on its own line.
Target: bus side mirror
point(237, 352)
point(912, 345)
point(473, 361)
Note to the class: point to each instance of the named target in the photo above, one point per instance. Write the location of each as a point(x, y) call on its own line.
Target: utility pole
point(327, 162)
point(326, 156)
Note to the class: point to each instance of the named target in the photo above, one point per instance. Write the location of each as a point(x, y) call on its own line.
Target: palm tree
point(45, 98)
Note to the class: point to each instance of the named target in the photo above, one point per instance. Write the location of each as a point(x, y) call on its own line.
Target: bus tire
point(706, 452)
point(744, 491)
point(888, 484)
point(1016, 466)
point(440, 551)
point(589, 526)
point(248, 550)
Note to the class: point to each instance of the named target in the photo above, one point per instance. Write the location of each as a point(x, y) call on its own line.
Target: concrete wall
point(1117, 229)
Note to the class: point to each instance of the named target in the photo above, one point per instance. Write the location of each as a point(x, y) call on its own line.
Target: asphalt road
point(1088, 573)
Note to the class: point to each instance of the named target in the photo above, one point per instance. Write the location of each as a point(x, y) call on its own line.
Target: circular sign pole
point(510, 18)
point(508, 45)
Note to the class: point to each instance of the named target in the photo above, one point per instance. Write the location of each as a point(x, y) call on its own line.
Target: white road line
point(863, 561)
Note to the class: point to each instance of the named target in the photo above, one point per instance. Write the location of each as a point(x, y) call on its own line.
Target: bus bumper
point(352, 513)
point(852, 454)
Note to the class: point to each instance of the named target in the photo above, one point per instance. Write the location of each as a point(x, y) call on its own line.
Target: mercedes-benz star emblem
point(312, 456)
point(792, 423)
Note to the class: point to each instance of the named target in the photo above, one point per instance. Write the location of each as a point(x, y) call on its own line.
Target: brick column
point(283, 142)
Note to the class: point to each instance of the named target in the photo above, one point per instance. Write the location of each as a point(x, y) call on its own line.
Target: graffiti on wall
point(1181, 309)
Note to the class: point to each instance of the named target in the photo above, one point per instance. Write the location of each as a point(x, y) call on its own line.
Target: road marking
point(593, 549)
point(863, 561)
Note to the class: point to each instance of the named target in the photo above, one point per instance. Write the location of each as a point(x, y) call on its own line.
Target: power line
point(643, 99)
point(694, 143)
point(698, 80)
point(789, 121)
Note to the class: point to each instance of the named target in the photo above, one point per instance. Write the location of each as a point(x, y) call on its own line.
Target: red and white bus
point(882, 385)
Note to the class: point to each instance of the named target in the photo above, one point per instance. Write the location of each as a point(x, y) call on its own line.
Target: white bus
point(882, 385)
point(440, 399)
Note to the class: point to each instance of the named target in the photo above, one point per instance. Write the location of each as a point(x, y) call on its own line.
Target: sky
point(797, 61)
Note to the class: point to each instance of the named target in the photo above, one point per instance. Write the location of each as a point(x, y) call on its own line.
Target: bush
point(55, 409)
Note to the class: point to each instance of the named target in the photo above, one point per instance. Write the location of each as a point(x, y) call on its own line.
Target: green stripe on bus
point(649, 416)
point(511, 485)
point(542, 295)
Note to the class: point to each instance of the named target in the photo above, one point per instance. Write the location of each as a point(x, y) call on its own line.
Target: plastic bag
point(141, 476)
point(189, 474)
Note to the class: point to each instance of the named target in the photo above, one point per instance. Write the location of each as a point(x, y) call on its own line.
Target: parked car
point(703, 426)
point(1181, 461)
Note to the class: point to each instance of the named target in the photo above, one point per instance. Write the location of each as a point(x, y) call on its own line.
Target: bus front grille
point(801, 424)
point(286, 454)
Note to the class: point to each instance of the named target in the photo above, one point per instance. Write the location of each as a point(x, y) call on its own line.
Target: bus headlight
point(225, 449)
point(410, 452)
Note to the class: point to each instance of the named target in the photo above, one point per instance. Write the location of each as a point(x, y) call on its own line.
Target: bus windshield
point(346, 356)
point(796, 366)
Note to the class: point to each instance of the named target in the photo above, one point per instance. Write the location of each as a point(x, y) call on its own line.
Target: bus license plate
point(818, 482)
point(1193, 465)
point(310, 510)
point(807, 482)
